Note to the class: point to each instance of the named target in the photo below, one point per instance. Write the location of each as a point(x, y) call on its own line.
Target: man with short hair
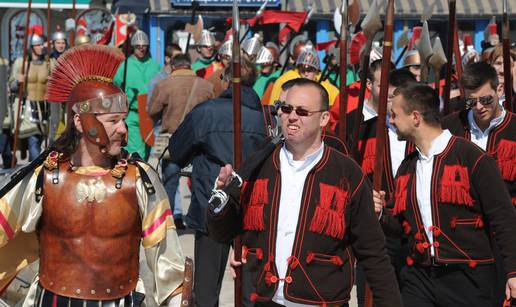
point(304, 216)
point(205, 139)
point(141, 68)
point(172, 99)
point(171, 50)
point(449, 197)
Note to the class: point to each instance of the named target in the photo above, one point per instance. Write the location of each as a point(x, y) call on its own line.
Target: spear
point(343, 93)
point(382, 111)
point(49, 25)
point(424, 47)
point(195, 5)
point(449, 55)
point(72, 33)
point(237, 121)
point(437, 60)
point(21, 87)
point(259, 13)
point(370, 26)
point(507, 58)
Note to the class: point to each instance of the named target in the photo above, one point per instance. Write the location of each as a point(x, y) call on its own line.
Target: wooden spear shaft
point(237, 138)
point(343, 93)
point(449, 55)
point(21, 86)
point(507, 75)
point(72, 33)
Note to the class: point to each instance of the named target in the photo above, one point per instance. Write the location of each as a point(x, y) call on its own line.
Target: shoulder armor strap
point(147, 183)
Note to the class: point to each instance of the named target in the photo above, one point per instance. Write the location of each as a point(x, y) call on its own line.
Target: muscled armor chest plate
point(89, 235)
point(37, 81)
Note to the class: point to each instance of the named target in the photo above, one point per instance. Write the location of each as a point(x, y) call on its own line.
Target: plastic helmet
point(268, 54)
point(308, 57)
point(58, 34)
point(82, 39)
point(252, 45)
point(376, 54)
point(470, 56)
point(139, 38)
point(207, 39)
point(36, 40)
point(412, 58)
point(226, 47)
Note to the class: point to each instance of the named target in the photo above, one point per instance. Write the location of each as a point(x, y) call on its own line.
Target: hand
point(233, 263)
point(510, 288)
point(21, 78)
point(224, 176)
point(379, 201)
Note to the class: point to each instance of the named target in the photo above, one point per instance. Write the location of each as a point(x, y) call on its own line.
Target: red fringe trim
point(254, 199)
point(400, 194)
point(455, 186)
point(506, 159)
point(369, 155)
point(328, 217)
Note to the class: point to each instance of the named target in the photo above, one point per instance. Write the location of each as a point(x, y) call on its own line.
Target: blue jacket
point(205, 139)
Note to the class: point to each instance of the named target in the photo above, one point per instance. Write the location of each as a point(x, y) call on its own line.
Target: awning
point(413, 8)
point(42, 4)
point(133, 6)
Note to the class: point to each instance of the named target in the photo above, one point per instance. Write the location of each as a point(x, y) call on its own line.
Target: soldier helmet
point(82, 39)
point(36, 40)
point(59, 34)
point(268, 54)
point(252, 45)
point(412, 58)
point(226, 48)
point(376, 54)
point(83, 78)
point(207, 39)
point(308, 57)
point(139, 38)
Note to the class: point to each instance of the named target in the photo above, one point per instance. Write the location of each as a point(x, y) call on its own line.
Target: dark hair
point(421, 98)
point(373, 67)
point(68, 141)
point(325, 100)
point(181, 60)
point(398, 77)
point(248, 73)
point(477, 74)
point(170, 48)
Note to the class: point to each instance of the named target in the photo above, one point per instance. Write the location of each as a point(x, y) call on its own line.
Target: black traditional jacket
point(469, 201)
point(501, 144)
point(336, 224)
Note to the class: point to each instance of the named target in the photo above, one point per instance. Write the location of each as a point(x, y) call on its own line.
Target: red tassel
point(454, 187)
point(328, 217)
point(400, 194)
point(418, 236)
point(369, 155)
point(255, 198)
point(506, 159)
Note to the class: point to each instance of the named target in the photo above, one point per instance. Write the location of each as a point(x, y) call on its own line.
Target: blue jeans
point(170, 178)
point(34, 146)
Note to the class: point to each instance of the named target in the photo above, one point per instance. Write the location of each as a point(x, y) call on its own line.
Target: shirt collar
point(368, 111)
point(438, 145)
point(493, 124)
point(301, 164)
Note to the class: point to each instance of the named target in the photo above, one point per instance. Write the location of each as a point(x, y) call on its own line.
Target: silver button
point(63, 288)
point(121, 287)
point(108, 290)
point(92, 291)
point(78, 291)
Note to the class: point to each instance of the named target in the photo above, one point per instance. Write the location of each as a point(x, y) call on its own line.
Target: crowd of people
point(439, 232)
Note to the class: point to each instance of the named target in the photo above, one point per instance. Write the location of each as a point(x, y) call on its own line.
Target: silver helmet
point(139, 39)
point(207, 39)
point(59, 35)
point(36, 40)
point(268, 54)
point(226, 47)
point(308, 56)
point(252, 45)
point(375, 54)
point(412, 58)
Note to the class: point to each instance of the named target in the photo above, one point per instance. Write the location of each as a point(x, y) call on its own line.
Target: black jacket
point(205, 139)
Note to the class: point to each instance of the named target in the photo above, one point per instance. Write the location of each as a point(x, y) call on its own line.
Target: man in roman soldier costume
point(87, 208)
point(267, 64)
point(57, 112)
point(449, 199)
point(206, 49)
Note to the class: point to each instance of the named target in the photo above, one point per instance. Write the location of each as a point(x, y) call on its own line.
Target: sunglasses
point(300, 111)
point(484, 100)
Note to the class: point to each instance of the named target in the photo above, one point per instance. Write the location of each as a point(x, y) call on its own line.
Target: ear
point(500, 91)
point(78, 124)
point(325, 118)
point(417, 118)
point(369, 84)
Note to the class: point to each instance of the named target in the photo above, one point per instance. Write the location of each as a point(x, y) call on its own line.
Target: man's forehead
point(302, 95)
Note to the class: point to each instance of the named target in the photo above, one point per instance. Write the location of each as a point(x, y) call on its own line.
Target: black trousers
point(452, 285)
point(210, 262)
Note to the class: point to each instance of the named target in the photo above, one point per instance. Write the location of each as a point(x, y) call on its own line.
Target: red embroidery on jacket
point(400, 194)
point(369, 154)
point(506, 159)
point(328, 217)
point(454, 186)
point(254, 198)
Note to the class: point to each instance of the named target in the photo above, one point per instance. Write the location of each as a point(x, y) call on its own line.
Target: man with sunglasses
point(305, 215)
point(307, 66)
point(485, 122)
point(141, 68)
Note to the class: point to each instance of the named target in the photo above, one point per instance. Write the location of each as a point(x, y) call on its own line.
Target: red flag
point(357, 42)
point(325, 45)
point(108, 34)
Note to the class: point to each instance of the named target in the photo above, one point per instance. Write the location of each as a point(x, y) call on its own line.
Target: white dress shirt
point(368, 111)
point(478, 136)
point(293, 177)
point(424, 169)
point(397, 149)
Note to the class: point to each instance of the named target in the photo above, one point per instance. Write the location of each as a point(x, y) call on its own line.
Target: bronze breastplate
point(37, 81)
point(89, 235)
